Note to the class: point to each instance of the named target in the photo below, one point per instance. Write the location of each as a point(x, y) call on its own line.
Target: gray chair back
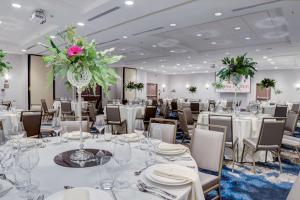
point(32, 122)
point(44, 105)
point(229, 105)
point(223, 121)
point(113, 113)
point(75, 125)
point(280, 111)
point(296, 107)
point(92, 111)
point(174, 105)
point(188, 116)
point(183, 123)
point(271, 132)
point(150, 112)
point(167, 111)
point(207, 147)
point(291, 122)
point(66, 106)
point(163, 109)
point(195, 106)
point(295, 192)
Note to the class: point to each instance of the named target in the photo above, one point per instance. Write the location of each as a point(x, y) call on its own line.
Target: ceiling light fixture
point(270, 59)
point(173, 25)
point(257, 50)
point(275, 67)
point(1, 22)
point(237, 28)
point(52, 36)
point(24, 50)
point(125, 37)
point(205, 62)
point(213, 43)
point(265, 57)
point(162, 66)
point(154, 46)
point(199, 35)
point(217, 14)
point(129, 3)
point(15, 5)
point(247, 38)
point(142, 54)
point(178, 64)
point(80, 24)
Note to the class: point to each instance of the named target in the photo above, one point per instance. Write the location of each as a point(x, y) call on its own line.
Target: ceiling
point(268, 30)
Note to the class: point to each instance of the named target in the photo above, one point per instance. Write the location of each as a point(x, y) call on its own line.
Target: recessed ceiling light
point(1, 22)
point(173, 25)
point(129, 3)
point(162, 66)
point(204, 61)
point(172, 51)
point(154, 46)
point(273, 63)
point(142, 54)
point(164, 71)
point(193, 72)
point(80, 24)
point(199, 35)
point(189, 57)
point(141, 67)
point(123, 49)
point(247, 38)
point(125, 37)
point(227, 53)
point(275, 67)
point(206, 71)
point(218, 14)
point(213, 43)
point(144, 62)
point(190, 65)
point(237, 28)
point(178, 64)
point(24, 50)
point(52, 36)
point(175, 67)
point(257, 50)
point(15, 5)
point(270, 59)
point(256, 68)
point(265, 57)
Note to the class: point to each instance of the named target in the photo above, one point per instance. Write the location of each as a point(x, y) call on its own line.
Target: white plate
point(5, 187)
point(148, 173)
point(76, 136)
point(132, 139)
point(93, 193)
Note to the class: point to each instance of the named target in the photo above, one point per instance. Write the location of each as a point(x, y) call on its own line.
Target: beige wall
point(39, 86)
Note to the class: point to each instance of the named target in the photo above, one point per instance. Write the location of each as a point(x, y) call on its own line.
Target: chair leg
point(297, 150)
point(233, 159)
point(279, 160)
point(266, 156)
point(243, 154)
point(253, 161)
point(237, 152)
point(219, 192)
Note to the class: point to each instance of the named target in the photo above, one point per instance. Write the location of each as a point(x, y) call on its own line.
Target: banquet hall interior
point(149, 99)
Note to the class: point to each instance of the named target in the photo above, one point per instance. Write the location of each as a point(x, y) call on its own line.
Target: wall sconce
point(163, 87)
point(297, 86)
point(207, 86)
point(187, 85)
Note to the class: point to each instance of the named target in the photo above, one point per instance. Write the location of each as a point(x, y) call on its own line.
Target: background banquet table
point(74, 106)
point(10, 118)
point(245, 125)
point(47, 173)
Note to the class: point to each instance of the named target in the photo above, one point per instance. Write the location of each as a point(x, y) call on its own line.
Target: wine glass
point(107, 172)
point(56, 125)
point(107, 133)
point(28, 160)
point(99, 125)
point(122, 155)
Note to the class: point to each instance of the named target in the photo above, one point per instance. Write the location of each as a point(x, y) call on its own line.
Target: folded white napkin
point(170, 147)
point(179, 173)
point(76, 194)
point(76, 135)
point(131, 135)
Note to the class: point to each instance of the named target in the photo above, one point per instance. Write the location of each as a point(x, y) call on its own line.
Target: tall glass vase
point(236, 80)
point(80, 80)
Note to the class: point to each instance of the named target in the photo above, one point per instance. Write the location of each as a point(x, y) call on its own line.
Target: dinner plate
point(75, 135)
point(162, 180)
point(131, 139)
point(94, 194)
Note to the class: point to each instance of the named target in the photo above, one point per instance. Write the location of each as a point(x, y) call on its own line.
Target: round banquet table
point(10, 118)
point(74, 106)
point(244, 126)
point(52, 177)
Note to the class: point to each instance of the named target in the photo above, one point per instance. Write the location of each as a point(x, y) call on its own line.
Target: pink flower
point(74, 51)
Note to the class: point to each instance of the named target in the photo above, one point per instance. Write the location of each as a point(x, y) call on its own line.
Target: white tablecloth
point(74, 106)
point(52, 178)
point(244, 126)
point(10, 119)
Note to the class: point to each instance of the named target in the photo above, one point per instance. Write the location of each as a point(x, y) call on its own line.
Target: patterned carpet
point(267, 184)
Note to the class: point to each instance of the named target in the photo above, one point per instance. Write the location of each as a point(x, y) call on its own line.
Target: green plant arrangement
point(218, 85)
point(192, 89)
point(139, 86)
point(77, 56)
point(4, 65)
point(236, 68)
point(134, 86)
point(267, 83)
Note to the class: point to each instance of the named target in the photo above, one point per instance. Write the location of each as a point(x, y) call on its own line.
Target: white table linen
point(52, 177)
point(10, 118)
point(74, 106)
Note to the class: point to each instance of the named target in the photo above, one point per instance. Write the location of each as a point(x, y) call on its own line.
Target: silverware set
point(144, 185)
point(155, 193)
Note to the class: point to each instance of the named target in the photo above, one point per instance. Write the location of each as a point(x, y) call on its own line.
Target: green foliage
point(4, 65)
point(218, 85)
point(134, 86)
point(267, 83)
point(95, 61)
point(241, 65)
point(192, 89)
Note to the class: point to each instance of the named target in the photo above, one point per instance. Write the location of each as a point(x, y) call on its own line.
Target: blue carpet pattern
point(266, 184)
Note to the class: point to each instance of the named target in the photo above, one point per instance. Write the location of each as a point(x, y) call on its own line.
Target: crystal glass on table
point(107, 172)
point(99, 125)
point(56, 125)
point(107, 133)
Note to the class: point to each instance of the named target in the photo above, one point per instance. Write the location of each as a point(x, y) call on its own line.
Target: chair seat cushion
point(208, 180)
point(291, 141)
point(116, 122)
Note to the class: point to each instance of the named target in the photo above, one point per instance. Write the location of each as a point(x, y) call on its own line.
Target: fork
point(142, 189)
point(156, 189)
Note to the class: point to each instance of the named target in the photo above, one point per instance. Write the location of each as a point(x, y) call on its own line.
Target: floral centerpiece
point(238, 67)
point(134, 86)
point(192, 89)
point(139, 86)
point(218, 85)
point(269, 83)
point(4, 65)
point(84, 66)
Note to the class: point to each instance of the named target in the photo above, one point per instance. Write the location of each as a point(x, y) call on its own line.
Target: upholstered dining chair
point(195, 107)
point(32, 122)
point(75, 125)
point(163, 109)
point(36, 107)
point(291, 123)
point(150, 112)
point(174, 106)
point(294, 194)
point(187, 131)
point(270, 139)
point(231, 142)
point(229, 106)
point(207, 148)
point(295, 107)
point(168, 129)
point(66, 109)
point(7, 104)
point(154, 102)
point(48, 113)
point(113, 118)
point(280, 111)
point(189, 117)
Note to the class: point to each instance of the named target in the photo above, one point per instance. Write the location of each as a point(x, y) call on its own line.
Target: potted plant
point(238, 67)
point(139, 86)
point(4, 65)
point(130, 85)
point(269, 83)
point(192, 89)
point(218, 85)
point(84, 66)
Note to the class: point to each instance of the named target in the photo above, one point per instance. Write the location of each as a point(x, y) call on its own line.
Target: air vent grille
point(30, 47)
point(256, 5)
point(107, 42)
point(147, 31)
point(104, 13)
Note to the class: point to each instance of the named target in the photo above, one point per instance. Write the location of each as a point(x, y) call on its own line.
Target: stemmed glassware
point(28, 160)
point(16, 132)
point(56, 125)
point(122, 155)
point(99, 125)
